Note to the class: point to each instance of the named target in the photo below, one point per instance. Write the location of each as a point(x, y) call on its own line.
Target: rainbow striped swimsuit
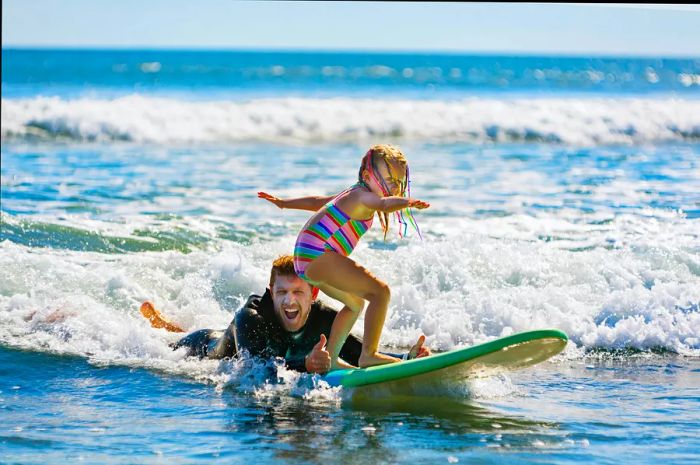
point(335, 231)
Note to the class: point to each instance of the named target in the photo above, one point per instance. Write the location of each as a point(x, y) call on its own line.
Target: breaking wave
point(145, 119)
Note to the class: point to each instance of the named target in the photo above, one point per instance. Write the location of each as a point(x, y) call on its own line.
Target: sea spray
point(149, 119)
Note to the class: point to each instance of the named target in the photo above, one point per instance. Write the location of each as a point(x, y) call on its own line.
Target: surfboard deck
point(505, 354)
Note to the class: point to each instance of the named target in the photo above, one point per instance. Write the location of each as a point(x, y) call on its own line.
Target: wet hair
point(283, 265)
point(390, 154)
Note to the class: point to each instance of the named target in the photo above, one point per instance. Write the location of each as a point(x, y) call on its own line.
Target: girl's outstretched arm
point(312, 203)
point(391, 204)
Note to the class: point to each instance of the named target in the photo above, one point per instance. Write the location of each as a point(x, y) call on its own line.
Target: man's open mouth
point(291, 313)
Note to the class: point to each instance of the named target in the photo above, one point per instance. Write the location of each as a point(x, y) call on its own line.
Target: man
point(285, 322)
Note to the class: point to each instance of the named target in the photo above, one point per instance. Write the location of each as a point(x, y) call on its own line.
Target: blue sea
point(564, 192)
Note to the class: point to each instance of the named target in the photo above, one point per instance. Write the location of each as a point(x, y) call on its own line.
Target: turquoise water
point(565, 193)
point(28, 72)
point(640, 409)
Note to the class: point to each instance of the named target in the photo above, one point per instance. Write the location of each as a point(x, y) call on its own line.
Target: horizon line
point(370, 51)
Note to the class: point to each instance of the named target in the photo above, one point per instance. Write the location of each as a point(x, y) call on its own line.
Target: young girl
point(322, 248)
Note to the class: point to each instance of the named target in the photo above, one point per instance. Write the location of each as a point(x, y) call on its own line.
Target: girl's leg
point(342, 323)
point(343, 274)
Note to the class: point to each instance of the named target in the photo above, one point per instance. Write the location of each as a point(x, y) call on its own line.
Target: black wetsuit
point(256, 329)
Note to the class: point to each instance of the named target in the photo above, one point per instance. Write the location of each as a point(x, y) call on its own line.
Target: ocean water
point(565, 193)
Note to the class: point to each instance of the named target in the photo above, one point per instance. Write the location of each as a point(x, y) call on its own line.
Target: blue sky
point(520, 28)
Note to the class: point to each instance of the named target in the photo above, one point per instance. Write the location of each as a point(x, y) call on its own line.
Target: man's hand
point(270, 198)
point(319, 359)
point(418, 351)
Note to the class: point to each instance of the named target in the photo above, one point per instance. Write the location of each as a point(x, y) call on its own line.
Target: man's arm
point(295, 363)
point(353, 347)
point(249, 331)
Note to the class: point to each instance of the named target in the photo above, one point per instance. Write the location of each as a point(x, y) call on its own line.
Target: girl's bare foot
point(157, 320)
point(340, 364)
point(370, 360)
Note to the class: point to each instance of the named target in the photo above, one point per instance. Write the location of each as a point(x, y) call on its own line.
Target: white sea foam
point(86, 304)
point(641, 298)
point(460, 288)
point(146, 119)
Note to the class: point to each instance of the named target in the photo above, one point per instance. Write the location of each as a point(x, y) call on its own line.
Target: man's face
point(292, 299)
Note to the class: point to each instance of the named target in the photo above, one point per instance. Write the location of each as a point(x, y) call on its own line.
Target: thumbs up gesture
point(318, 360)
point(418, 350)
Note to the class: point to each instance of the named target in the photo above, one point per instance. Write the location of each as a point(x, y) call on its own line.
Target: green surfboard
point(505, 354)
